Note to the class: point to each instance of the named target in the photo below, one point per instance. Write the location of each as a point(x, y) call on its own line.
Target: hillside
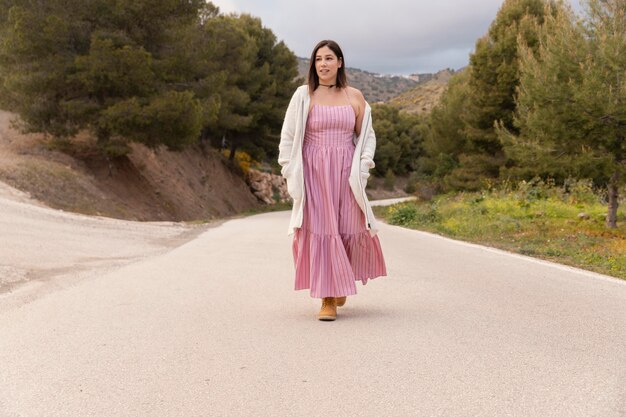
point(195, 184)
point(425, 95)
point(417, 93)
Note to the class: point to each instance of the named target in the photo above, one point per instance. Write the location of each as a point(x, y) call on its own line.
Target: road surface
point(211, 326)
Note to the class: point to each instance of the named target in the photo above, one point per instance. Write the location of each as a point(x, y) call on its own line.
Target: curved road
point(212, 327)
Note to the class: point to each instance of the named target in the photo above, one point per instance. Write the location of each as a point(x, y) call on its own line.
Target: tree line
point(544, 95)
point(166, 72)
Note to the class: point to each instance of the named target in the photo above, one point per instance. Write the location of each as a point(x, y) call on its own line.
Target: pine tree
point(493, 77)
point(157, 72)
point(399, 137)
point(446, 139)
point(71, 65)
point(572, 99)
point(246, 79)
point(269, 83)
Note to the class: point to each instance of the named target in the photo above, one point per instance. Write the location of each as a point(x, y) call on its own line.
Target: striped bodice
point(330, 125)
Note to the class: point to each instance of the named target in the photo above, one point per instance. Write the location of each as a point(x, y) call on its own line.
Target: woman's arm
point(369, 142)
point(358, 101)
point(368, 151)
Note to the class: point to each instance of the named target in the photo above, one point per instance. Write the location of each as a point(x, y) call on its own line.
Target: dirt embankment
point(195, 184)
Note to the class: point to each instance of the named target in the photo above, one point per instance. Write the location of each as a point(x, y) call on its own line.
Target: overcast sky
point(387, 37)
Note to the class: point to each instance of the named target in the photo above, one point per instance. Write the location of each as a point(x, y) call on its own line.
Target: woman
point(326, 151)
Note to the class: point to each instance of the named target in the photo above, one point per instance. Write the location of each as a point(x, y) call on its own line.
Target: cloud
point(389, 37)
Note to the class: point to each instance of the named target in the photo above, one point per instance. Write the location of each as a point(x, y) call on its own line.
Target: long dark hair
point(313, 80)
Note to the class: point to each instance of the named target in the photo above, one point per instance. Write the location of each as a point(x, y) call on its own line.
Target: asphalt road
point(213, 327)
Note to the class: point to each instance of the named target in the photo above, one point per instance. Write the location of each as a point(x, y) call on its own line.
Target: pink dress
point(332, 249)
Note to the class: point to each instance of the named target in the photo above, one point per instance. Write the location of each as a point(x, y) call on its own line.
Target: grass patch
point(536, 219)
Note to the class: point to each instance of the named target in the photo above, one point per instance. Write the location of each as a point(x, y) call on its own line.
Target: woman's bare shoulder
point(355, 92)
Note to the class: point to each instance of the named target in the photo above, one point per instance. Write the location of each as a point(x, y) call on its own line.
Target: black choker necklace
point(329, 86)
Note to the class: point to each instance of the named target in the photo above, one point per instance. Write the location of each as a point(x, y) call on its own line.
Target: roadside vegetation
point(564, 224)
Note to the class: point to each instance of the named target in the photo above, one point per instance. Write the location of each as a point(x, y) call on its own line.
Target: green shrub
point(402, 214)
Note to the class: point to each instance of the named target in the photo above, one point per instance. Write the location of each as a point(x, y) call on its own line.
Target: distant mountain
point(424, 96)
point(416, 93)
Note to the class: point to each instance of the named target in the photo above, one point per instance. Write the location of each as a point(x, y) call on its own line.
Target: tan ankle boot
point(328, 311)
point(340, 301)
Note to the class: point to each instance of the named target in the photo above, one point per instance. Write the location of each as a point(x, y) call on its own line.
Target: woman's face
point(327, 65)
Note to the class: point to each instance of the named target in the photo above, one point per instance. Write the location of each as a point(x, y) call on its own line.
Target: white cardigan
point(290, 159)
